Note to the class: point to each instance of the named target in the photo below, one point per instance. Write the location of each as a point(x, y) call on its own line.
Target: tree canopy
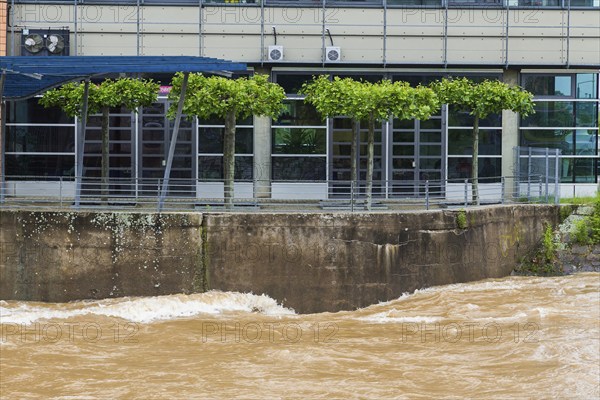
point(482, 99)
point(128, 92)
point(216, 96)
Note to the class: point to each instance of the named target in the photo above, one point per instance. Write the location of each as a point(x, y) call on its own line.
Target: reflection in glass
point(299, 168)
point(299, 141)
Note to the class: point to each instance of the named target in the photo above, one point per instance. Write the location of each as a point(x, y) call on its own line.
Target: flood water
point(517, 337)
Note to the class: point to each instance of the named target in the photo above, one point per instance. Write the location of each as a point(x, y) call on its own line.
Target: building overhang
point(25, 77)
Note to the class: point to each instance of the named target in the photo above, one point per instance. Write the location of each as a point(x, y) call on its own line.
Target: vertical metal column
point(2, 135)
point(80, 143)
point(547, 173)
point(556, 176)
point(384, 33)
point(75, 27)
point(165, 183)
point(137, 29)
point(12, 27)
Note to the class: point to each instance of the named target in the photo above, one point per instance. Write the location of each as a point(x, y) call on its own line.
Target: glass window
point(299, 141)
point(211, 167)
point(40, 139)
point(586, 114)
point(298, 113)
point(550, 114)
point(292, 83)
point(299, 168)
point(539, 3)
point(548, 85)
point(578, 170)
point(210, 140)
point(39, 165)
point(561, 139)
point(31, 112)
point(463, 118)
point(587, 86)
point(460, 168)
point(460, 142)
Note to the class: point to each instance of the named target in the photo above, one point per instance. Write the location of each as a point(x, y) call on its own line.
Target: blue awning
point(28, 76)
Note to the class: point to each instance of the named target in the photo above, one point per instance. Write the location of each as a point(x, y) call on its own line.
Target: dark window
point(299, 168)
point(40, 139)
point(39, 165)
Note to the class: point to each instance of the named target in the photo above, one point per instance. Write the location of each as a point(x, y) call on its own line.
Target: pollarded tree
point(229, 99)
point(481, 100)
point(372, 102)
point(128, 92)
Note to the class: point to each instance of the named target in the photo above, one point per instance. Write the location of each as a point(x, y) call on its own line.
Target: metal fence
point(533, 164)
point(258, 195)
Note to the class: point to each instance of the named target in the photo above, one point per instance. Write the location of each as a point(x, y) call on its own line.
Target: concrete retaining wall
point(310, 262)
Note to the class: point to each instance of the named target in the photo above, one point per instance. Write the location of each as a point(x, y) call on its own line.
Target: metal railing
point(260, 195)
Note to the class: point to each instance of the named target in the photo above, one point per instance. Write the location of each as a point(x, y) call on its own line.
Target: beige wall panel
point(107, 19)
point(536, 22)
point(486, 22)
point(584, 51)
point(298, 30)
point(412, 22)
point(47, 14)
point(283, 16)
point(360, 49)
point(536, 51)
point(107, 44)
point(475, 50)
point(415, 50)
point(298, 48)
point(170, 20)
point(233, 47)
point(169, 45)
point(354, 21)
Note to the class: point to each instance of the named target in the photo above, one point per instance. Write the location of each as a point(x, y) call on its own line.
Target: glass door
point(417, 154)
point(340, 171)
point(155, 133)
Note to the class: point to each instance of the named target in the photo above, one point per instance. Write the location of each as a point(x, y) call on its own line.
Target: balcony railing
point(257, 195)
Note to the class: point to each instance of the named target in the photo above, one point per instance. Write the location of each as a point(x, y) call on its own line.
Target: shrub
point(461, 219)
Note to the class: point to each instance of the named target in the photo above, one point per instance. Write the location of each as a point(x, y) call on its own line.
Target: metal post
point(529, 177)
point(547, 173)
point(502, 189)
point(81, 143)
point(466, 192)
point(60, 180)
point(137, 29)
point(2, 135)
point(427, 194)
point(556, 177)
point(165, 185)
point(352, 196)
point(75, 27)
point(12, 28)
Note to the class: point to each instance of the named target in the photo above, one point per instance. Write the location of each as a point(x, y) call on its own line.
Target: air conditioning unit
point(333, 54)
point(275, 53)
point(38, 42)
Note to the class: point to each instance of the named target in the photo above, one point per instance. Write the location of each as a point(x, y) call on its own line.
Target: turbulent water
point(518, 337)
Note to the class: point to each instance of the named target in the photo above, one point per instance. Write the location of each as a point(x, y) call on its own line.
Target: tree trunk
point(475, 163)
point(229, 158)
point(370, 152)
point(353, 157)
point(105, 174)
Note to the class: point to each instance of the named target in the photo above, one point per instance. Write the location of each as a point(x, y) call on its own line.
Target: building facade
point(550, 47)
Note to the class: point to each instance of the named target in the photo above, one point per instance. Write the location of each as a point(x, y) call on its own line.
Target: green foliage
point(543, 261)
point(461, 219)
point(595, 221)
point(362, 100)
point(216, 96)
point(580, 232)
point(549, 245)
point(487, 97)
point(564, 212)
point(129, 92)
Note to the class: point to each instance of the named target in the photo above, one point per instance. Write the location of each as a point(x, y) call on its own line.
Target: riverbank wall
point(311, 262)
